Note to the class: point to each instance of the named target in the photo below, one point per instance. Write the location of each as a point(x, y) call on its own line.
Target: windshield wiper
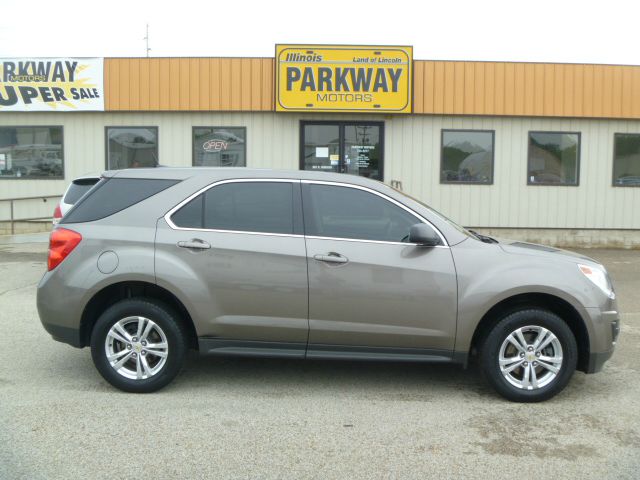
point(482, 238)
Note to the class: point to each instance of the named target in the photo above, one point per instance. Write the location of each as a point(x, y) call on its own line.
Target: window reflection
point(467, 156)
point(626, 160)
point(219, 147)
point(553, 158)
point(31, 152)
point(132, 147)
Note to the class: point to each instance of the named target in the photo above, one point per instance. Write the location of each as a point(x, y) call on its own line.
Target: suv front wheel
point(138, 345)
point(529, 355)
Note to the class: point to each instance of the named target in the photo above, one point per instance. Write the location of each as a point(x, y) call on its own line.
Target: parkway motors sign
point(344, 78)
point(51, 84)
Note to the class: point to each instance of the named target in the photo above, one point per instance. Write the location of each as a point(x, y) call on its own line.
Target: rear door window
point(113, 195)
point(261, 207)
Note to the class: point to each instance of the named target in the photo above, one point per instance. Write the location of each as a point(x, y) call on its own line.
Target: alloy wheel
point(530, 357)
point(136, 348)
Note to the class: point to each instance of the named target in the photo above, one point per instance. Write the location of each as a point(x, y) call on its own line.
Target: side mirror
point(423, 235)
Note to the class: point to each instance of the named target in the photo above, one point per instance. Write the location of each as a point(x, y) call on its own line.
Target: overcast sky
point(546, 31)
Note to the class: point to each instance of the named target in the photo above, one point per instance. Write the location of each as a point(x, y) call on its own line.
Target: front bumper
point(597, 361)
point(607, 326)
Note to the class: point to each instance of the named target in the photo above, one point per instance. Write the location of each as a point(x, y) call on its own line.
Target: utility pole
point(147, 39)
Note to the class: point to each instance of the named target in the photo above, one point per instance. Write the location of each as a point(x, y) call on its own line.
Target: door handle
point(331, 257)
point(195, 244)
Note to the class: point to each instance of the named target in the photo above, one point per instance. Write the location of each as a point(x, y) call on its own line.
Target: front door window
point(344, 147)
point(343, 212)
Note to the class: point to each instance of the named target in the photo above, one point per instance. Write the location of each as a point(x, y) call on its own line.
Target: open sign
point(215, 145)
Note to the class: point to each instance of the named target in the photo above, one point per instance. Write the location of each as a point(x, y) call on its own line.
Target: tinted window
point(31, 152)
point(467, 157)
point(250, 207)
point(244, 206)
point(113, 195)
point(626, 160)
point(343, 212)
point(77, 189)
point(553, 158)
point(132, 147)
point(219, 146)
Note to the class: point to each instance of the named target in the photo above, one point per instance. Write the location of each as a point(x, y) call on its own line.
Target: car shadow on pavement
point(279, 378)
point(387, 380)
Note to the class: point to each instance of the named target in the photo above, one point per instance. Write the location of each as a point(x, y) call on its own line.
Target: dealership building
point(541, 152)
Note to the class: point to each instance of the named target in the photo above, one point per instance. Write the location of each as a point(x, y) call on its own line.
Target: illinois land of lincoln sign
point(337, 78)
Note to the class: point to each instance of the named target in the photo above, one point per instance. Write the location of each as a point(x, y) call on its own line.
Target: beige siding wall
point(414, 145)
point(412, 156)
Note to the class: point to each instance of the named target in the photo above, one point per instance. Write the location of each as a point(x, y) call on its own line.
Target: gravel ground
point(254, 418)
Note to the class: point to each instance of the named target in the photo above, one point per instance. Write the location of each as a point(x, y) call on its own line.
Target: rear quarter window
point(113, 195)
point(77, 189)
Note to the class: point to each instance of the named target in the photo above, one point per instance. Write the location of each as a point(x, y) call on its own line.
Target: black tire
point(490, 352)
point(165, 318)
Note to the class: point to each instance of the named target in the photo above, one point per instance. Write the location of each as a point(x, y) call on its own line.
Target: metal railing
point(13, 220)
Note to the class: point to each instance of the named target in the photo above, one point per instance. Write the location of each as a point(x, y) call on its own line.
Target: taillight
point(61, 244)
point(57, 214)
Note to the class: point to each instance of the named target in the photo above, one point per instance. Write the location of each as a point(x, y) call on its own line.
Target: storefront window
point(626, 160)
point(467, 156)
point(554, 158)
point(219, 147)
point(132, 147)
point(343, 147)
point(31, 152)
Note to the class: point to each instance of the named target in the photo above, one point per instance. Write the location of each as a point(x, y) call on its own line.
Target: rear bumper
point(67, 335)
point(57, 310)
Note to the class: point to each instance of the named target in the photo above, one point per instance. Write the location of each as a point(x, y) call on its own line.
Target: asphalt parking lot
point(253, 418)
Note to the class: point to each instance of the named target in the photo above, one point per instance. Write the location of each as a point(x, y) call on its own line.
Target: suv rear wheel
point(138, 345)
point(529, 356)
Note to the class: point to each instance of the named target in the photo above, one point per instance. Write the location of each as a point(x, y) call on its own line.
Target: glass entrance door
point(321, 147)
point(343, 147)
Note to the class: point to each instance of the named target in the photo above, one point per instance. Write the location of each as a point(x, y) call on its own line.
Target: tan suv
point(300, 264)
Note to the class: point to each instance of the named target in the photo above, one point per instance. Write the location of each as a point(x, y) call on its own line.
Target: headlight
point(599, 277)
